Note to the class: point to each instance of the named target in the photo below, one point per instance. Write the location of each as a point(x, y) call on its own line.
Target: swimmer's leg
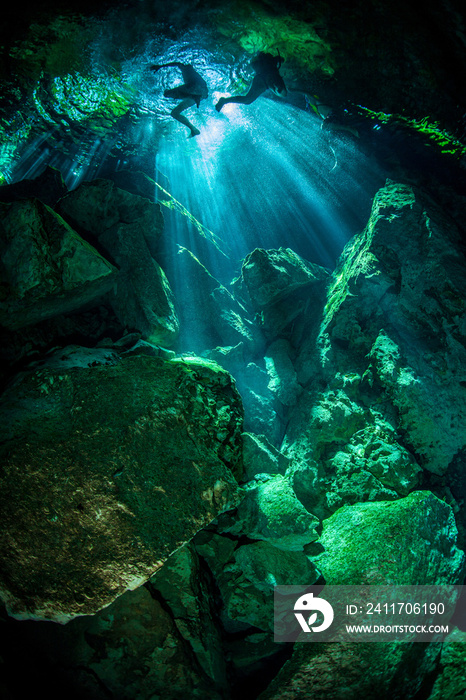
point(176, 114)
point(258, 86)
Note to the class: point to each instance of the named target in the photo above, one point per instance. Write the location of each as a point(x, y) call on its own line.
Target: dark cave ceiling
point(77, 71)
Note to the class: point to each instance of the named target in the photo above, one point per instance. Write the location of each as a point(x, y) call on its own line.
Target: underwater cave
point(233, 349)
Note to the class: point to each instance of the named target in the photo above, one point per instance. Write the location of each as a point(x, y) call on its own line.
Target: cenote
point(233, 364)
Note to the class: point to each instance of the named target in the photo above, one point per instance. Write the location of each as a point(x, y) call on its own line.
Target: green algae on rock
point(411, 541)
point(270, 511)
point(106, 471)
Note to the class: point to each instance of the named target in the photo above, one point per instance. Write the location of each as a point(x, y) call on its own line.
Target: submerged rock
point(106, 470)
point(411, 541)
point(344, 671)
point(132, 649)
point(260, 457)
point(270, 511)
point(271, 275)
point(260, 405)
point(209, 314)
point(247, 583)
point(128, 228)
point(398, 298)
point(246, 574)
point(451, 681)
point(47, 268)
point(279, 285)
point(49, 187)
point(189, 595)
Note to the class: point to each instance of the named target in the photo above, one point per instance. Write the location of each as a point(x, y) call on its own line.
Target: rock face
point(278, 284)
point(209, 314)
point(399, 296)
point(47, 268)
point(105, 472)
point(425, 525)
point(391, 354)
point(128, 227)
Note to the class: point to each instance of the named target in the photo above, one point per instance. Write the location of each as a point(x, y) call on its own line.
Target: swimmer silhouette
point(193, 90)
point(266, 77)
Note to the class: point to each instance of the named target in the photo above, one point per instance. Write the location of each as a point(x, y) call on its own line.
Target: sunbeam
point(266, 175)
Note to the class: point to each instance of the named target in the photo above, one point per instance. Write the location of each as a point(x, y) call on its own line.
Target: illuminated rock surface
point(270, 511)
point(106, 471)
point(400, 287)
point(424, 524)
point(209, 314)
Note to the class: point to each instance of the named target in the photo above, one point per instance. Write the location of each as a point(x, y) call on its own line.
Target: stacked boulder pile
point(171, 451)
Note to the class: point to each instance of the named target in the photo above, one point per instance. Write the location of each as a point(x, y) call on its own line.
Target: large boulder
point(106, 470)
point(271, 275)
point(131, 649)
point(260, 404)
point(411, 541)
point(190, 596)
point(47, 268)
point(245, 576)
point(270, 511)
point(278, 286)
point(128, 227)
point(260, 457)
point(209, 314)
point(49, 187)
point(396, 313)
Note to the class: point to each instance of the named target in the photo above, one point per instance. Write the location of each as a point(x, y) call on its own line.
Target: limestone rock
point(398, 296)
point(47, 268)
point(131, 649)
point(99, 205)
point(128, 227)
point(431, 409)
point(371, 466)
point(189, 595)
point(270, 511)
point(49, 187)
point(209, 314)
point(106, 470)
point(246, 574)
point(260, 457)
point(283, 381)
point(451, 682)
point(260, 406)
point(279, 286)
point(410, 541)
point(246, 584)
point(271, 275)
point(343, 671)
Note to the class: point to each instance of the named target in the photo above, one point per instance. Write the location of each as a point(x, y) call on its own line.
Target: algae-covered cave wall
point(233, 361)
